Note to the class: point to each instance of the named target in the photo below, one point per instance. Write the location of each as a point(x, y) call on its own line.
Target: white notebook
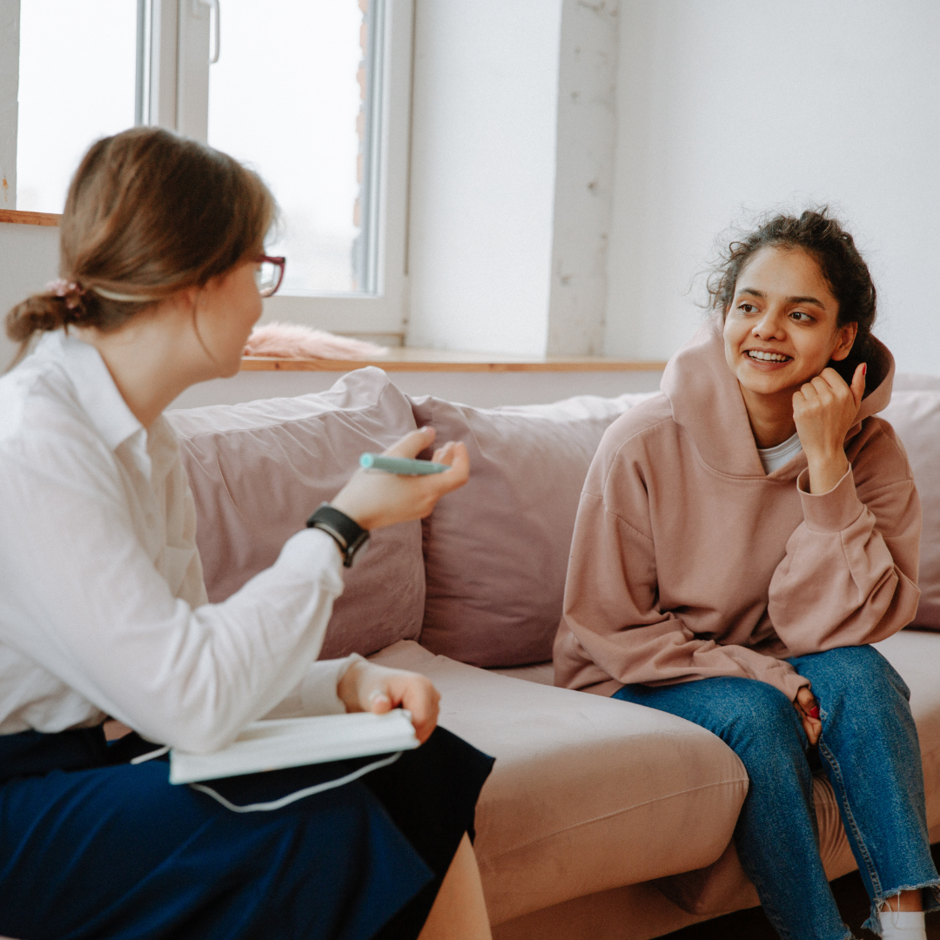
point(295, 742)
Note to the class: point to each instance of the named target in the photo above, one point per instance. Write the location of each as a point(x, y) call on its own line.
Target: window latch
point(213, 6)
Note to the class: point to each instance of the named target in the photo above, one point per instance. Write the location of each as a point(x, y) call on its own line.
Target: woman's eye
point(801, 316)
point(747, 308)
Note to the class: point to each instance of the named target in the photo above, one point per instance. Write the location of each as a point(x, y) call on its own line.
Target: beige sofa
point(601, 819)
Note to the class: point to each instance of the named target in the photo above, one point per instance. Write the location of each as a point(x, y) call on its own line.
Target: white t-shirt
point(103, 609)
point(773, 458)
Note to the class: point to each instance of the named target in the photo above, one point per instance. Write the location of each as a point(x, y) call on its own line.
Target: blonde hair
point(148, 213)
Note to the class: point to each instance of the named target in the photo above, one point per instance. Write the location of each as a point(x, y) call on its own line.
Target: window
point(289, 95)
point(314, 94)
point(76, 83)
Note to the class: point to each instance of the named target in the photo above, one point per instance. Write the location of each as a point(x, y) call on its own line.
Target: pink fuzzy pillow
point(295, 341)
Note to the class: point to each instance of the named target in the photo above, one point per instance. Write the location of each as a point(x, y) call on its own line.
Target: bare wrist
point(349, 508)
point(347, 686)
point(825, 473)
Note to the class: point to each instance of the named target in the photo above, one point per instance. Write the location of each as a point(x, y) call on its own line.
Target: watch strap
point(346, 532)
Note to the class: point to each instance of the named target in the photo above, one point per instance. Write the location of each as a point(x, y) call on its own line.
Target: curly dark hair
point(824, 238)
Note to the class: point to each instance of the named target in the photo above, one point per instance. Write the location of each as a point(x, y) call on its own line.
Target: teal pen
point(401, 465)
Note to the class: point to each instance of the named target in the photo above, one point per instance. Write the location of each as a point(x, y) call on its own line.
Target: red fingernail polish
point(814, 712)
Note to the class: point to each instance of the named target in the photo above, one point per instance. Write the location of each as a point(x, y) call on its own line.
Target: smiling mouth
point(760, 356)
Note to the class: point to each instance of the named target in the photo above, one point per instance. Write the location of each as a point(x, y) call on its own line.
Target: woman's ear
point(846, 339)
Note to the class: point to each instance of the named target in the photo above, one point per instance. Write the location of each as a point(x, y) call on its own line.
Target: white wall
point(481, 389)
point(725, 105)
point(483, 173)
point(584, 174)
point(512, 155)
point(29, 259)
point(9, 83)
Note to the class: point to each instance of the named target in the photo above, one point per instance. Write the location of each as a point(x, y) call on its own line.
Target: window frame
point(382, 312)
point(173, 85)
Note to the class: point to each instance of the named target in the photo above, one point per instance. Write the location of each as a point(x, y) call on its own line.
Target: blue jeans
point(868, 749)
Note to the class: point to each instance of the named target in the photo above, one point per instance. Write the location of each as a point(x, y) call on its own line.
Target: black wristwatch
point(346, 532)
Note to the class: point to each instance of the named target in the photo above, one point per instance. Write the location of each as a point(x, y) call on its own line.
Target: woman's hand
point(808, 709)
point(367, 687)
point(374, 498)
point(824, 409)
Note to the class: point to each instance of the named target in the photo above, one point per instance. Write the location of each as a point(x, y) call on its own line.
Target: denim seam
point(781, 929)
point(850, 816)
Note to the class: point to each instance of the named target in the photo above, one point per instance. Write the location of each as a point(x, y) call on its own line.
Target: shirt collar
point(94, 387)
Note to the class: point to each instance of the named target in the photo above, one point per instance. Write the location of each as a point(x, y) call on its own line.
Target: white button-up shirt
point(103, 609)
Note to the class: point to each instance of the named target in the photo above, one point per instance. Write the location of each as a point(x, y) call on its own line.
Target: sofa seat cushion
point(259, 469)
point(587, 793)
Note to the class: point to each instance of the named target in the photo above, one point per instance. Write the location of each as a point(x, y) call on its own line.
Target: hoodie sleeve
point(849, 575)
point(611, 620)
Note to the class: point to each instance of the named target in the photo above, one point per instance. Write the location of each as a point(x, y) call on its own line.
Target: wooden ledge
point(408, 359)
point(29, 218)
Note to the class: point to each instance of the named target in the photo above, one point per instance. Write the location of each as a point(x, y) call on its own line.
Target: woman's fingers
point(808, 708)
point(858, 383)
point(813, 729)
point(823, 411)
point(417, 694)
point(375, 499)
point(455, 455)
point(377, 689)
point(412, 443)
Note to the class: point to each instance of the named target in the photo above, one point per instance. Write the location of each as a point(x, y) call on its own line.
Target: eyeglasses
point(269, 275)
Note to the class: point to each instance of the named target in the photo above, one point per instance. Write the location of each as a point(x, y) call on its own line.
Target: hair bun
point(39, 313)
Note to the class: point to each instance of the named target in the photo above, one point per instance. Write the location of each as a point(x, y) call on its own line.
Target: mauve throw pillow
point(258, 470)
point(496, 551)
point(914, 413)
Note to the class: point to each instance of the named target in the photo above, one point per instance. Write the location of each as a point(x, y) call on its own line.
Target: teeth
point(766, 356)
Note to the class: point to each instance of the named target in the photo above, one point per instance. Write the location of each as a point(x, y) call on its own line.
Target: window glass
point(78, 61)
point(286, 96)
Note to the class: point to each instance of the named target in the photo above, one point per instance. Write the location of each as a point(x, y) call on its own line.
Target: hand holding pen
point(374, 498)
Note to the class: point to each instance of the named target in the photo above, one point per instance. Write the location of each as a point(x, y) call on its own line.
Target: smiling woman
point(770, 528)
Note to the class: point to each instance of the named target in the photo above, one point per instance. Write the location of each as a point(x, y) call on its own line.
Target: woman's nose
point(769, 325)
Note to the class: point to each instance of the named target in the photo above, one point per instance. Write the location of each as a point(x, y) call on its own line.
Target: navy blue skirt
point(92, 846)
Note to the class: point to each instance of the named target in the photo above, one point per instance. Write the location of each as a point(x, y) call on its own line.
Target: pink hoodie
point(688, 561)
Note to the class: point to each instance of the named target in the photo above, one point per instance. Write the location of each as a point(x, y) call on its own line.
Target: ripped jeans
point(868, 749)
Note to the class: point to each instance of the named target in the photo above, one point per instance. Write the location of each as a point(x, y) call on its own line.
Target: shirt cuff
point(318, 694)
point(792, 685)
point(310, 551)
point(832, 511)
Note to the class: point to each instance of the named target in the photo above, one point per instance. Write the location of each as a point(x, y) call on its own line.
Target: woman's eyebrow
point(790, 300)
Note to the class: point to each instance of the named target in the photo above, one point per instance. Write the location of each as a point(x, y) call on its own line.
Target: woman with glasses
point(104, 611)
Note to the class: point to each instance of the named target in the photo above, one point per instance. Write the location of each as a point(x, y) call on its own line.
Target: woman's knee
point(856, 677)
point(757, 721)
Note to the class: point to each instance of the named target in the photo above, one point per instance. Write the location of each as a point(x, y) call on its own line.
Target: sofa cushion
point(587, 793)
point(497, 551)
point(914, 413)
point(258, 470)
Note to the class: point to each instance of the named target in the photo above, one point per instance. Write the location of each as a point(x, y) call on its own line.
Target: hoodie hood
point(707, 403)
